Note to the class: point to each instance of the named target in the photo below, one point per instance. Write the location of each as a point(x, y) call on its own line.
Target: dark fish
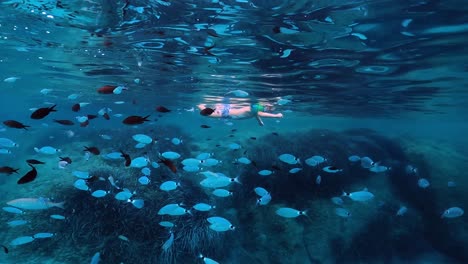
point(5, 249)
point(169, 164)
point(135, 120)
point(107, 89)
point(212, 33)
point(253, 138)
point(207, 111)
point(64, 122)
point(106, 116)
point(35, 162)
point(92, 150)
point(276, 134)
point(91, 117)
point(29, 176)
point(276, 30)
point(92, 179)
point(8, 170)
point(218, 145)
point(84, 124)
point(15, 124)
point(76, 107)
point(127, 158)
point(162, 109)
point(43, 112)
point(66, 159)
point(231, 135)
point(254, 163)
point(205, 126)
point(276, 167)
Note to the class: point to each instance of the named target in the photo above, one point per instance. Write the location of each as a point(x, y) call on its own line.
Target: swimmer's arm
point(201, 106)
point(264, 114)
point(260, 122)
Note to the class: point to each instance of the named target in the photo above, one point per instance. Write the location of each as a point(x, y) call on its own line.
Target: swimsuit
point(257, 108)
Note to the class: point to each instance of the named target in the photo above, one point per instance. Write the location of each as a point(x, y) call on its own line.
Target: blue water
point(382, 79)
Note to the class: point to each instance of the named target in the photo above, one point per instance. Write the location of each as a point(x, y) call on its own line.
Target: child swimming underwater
point(233, 111)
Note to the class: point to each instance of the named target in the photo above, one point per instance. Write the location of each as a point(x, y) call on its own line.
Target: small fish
point(169, 164)
point(76, 107)
point(64, 122)
point(166, 224)
point(260, 191)
point(170, 155)
point(43, 235)
point(43, 112)
point(66, 159)
point(57, 217)
point(401, 211)
point(143, 180)
point(127, 158)
point(341, 212)
point(360, 196)
point(169, 186)
point(96, 258)
point(7, 143)
point(92, 150)
point(48, 150)
point(5, 151)
point(8, 170)
point(135, 120)
point(29, 176)
point(318, 180)
point(11, 79)
point(17, 223)
point(452, 212)
point(15, 124)
point(265, 172)
point(91, 117)
point(287, 212)
point(331, 169)
point(367, 162)
point(295, 170)
point(107, 89)
point(205, 126)
point(34, 162)
point(5, 249)
point(264, 200)
point(203, 207)
point(289, 159)
point(222, 193)
point(124, 238)
point(168, 242)
point(162, 109)
point(12, 210)
point(21, 240)
point(207, 111)
point(207, 260)
point(423, 183)
point(220, 221)
point(176, 141)
point(337, 200)
point(99, 193)
point(138, 203)
point(354, 158)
